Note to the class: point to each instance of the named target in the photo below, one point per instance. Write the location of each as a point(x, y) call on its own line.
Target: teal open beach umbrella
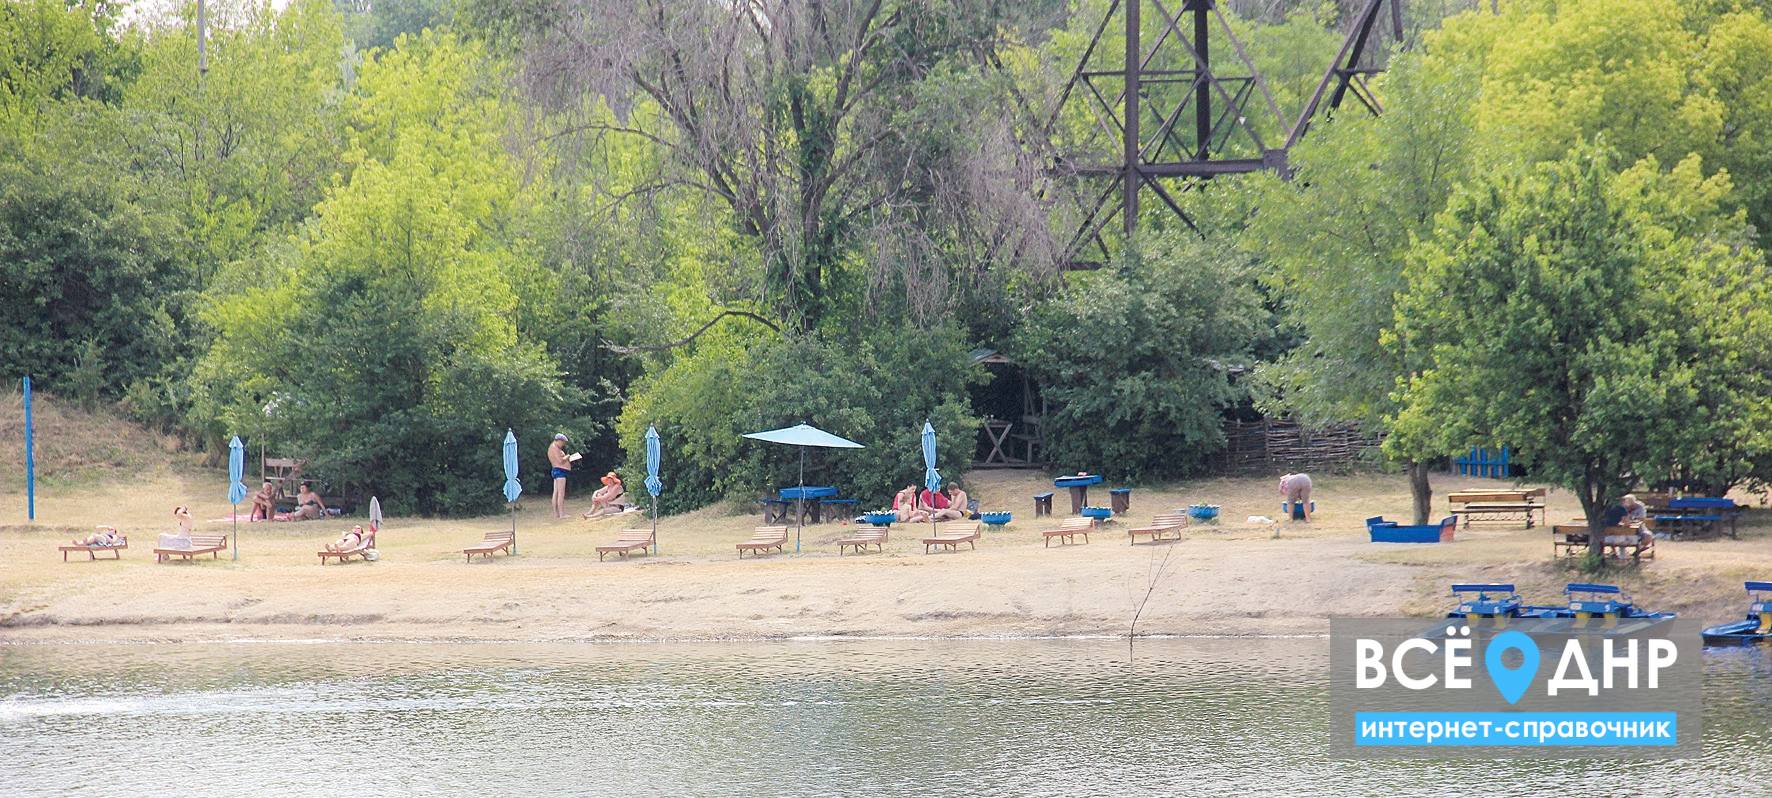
point(931, 477)
point(513, 488)
point(653, 485)
point(236, 490)
point(803, 435)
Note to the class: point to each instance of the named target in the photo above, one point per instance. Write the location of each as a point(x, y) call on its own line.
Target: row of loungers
point(763, 539)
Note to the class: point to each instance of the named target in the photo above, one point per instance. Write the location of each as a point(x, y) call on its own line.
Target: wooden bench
point(1042, 504)
point(626, 541)
point(363, 545)
point(862, 538)
point(1068, 530)
point(212, 545)
point(763, 539)
point(1497, 505)
point(1160, 528)
point(491, 543)
point(1571, 540)
point(92, 551)
point(951, 535)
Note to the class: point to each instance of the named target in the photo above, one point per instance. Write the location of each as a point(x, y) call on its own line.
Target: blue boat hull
point(1739, 633)
point(1411, 534)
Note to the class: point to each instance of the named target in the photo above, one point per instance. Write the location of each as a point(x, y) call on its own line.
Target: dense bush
point(875, 389)
point(1138, 361)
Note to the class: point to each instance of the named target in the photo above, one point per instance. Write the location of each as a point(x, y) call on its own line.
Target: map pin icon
point(1511, 682)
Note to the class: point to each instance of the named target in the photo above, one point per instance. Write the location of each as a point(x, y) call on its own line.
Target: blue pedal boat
point(1383, 531)
point(1588, 601)
point(1756, 629)
point(1492, 600)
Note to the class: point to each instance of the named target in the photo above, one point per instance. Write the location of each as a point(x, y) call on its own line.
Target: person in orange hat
point(608, 499)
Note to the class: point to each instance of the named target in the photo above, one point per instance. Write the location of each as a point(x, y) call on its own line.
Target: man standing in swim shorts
point(1296, 488)
point(562, 468)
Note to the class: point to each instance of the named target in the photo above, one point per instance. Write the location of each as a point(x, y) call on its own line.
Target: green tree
point(1137, 360)
point(1337, 237)
point(390, 335)
point(1606, 326)
point(81, 262)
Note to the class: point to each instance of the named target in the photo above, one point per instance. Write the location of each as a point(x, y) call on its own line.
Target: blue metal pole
point(30, 460)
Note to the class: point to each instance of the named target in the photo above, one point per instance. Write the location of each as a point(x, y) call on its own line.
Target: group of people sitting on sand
point(308, 504)
point(921, 507)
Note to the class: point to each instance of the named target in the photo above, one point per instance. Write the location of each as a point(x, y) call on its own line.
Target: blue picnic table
point(1699, 516)
point(1079, 487)
point(810, 497)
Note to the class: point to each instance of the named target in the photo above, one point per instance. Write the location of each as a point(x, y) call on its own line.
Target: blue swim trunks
point(561, 473)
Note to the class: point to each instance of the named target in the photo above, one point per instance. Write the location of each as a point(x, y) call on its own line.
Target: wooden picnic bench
point(1618, 542)
point(863, 537)
point(1497, 505)
point(1068, 530)
point(364, 544)
point(492, 542)
point(626, 541)
point(764, 538)
point(92, 551)
point(212, 545)
point(1160, 528)
point(951, 535)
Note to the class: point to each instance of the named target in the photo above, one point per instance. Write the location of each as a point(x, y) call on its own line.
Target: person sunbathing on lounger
point(264, 503)
point(180, 539)
point(350, 540)
point(105, 537)
point(308, 504)
point(608, 499)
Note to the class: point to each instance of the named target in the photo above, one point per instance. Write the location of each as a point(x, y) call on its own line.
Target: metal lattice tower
point(1176, 110)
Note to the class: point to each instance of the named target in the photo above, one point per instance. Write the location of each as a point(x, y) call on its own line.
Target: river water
point(881, 718)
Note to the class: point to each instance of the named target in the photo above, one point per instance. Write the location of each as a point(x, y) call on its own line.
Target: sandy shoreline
point(1231, 579)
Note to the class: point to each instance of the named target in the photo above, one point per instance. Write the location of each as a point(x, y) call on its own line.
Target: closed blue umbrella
point(236, 490)
point(653, 485)
point(513, 488)
point(931, 477)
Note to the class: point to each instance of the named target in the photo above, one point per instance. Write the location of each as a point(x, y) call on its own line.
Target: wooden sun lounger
point(367, 543)
point(92, 551)
point(1160, 528)
point(1069, 529)
point(212, 545)
point(862, 538)
point(626, 541)
point(492, 542)
point(764, 538)
point(951, 535)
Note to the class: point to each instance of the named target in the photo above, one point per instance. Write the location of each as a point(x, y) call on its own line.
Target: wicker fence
point(1270, 446)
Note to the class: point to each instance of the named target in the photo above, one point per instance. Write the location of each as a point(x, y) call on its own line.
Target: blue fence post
point(30, 459)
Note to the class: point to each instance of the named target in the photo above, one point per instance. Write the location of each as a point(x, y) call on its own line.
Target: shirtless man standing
point(562, 468)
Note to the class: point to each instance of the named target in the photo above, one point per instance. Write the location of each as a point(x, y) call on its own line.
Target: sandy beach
point(1226, 578)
